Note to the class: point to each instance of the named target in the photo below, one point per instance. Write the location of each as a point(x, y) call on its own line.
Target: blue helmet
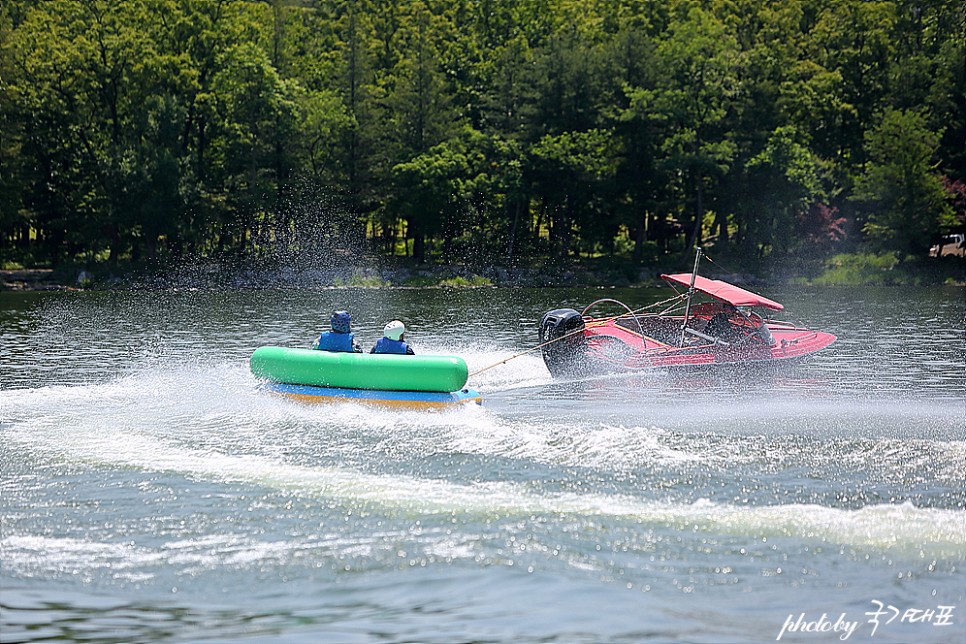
point(340, 321)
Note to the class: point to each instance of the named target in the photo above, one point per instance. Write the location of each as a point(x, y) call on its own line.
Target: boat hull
point(414, 400)
point(586, 346)
point(791, 345)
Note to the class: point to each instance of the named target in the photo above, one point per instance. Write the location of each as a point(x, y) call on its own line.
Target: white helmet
point(394, 330)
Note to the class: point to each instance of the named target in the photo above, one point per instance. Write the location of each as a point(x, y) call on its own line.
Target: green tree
point(787, 181)
point(420, 110)
point(84, 69)
point(641, 128)
point(359, 148)
point(420, 106)
point(569, 79)
point(854, 41)
point(15, 221)
point(907, 200)
point(572, 174)
point(256, 112)
point(180, 129)
point(697, 66)
point(433, 192)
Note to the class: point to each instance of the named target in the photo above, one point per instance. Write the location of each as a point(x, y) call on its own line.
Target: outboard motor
point(563, 356)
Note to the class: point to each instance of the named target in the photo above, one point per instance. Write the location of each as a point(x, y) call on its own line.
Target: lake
point(151, 492)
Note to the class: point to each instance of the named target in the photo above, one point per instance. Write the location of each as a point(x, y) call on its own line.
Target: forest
point(780, 133)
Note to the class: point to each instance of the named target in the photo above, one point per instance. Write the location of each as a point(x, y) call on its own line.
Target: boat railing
point(784, 325)
point(704, 336)
point(809, 336)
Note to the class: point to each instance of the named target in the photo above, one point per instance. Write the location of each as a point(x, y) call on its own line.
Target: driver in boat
point(728, 323)
point(339, 338)
point(721, 327)
point(392, 340)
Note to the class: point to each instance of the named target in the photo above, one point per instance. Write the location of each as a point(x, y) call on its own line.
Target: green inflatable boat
point(319, 376)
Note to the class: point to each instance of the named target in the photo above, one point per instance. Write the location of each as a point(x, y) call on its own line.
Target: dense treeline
point(498, 131)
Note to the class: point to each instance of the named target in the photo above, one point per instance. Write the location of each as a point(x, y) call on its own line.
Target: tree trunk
point(513, 231)
point(695, 239)
point(639, 238)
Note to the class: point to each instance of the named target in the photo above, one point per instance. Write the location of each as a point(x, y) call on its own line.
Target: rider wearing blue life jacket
point(340, 338)
point(392, 340)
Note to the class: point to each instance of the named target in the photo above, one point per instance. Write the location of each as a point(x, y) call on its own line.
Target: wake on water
point(211, 422)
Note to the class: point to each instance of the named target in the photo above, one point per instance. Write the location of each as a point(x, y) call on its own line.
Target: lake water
point(149, 492)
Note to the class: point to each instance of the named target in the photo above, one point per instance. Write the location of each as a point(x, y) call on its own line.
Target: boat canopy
point(723, 291)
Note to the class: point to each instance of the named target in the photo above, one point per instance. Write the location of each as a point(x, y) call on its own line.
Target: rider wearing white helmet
point(392, 340)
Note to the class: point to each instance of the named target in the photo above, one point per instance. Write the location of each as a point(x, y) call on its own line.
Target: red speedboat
point(726, 330)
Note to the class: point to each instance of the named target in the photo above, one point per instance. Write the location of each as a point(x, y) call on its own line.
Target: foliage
point(859, 268)
point(462, 282)
point(908, 198)
point(457, 281)
point(479, 132)
point(361, 281)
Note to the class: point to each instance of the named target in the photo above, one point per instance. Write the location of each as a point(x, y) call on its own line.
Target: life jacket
point(387, 345)
point(332, 341)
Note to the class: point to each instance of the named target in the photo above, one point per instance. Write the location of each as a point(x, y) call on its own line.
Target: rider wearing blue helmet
point(340, 338)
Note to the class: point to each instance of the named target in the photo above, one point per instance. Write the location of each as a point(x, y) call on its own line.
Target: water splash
point(212, 424)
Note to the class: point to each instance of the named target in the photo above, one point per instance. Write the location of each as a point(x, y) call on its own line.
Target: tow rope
point(592, 324)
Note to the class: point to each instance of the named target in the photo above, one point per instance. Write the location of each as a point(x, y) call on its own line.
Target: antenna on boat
point(687, 307)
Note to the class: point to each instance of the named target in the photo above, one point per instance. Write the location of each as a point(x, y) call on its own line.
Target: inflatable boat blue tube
point(402, 399)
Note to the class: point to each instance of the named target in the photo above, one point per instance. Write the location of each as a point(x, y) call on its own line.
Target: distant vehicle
point(954, 244)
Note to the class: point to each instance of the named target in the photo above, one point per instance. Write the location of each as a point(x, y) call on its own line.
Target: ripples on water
point(151, 492)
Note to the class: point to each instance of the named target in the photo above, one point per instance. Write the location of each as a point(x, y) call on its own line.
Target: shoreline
point(442, 276)
point(31, 279)
point(425, 276)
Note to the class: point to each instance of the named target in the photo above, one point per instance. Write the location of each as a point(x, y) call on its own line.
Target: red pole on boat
point(687, 307)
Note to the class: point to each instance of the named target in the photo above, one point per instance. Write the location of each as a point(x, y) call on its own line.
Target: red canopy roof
point(723, 291)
